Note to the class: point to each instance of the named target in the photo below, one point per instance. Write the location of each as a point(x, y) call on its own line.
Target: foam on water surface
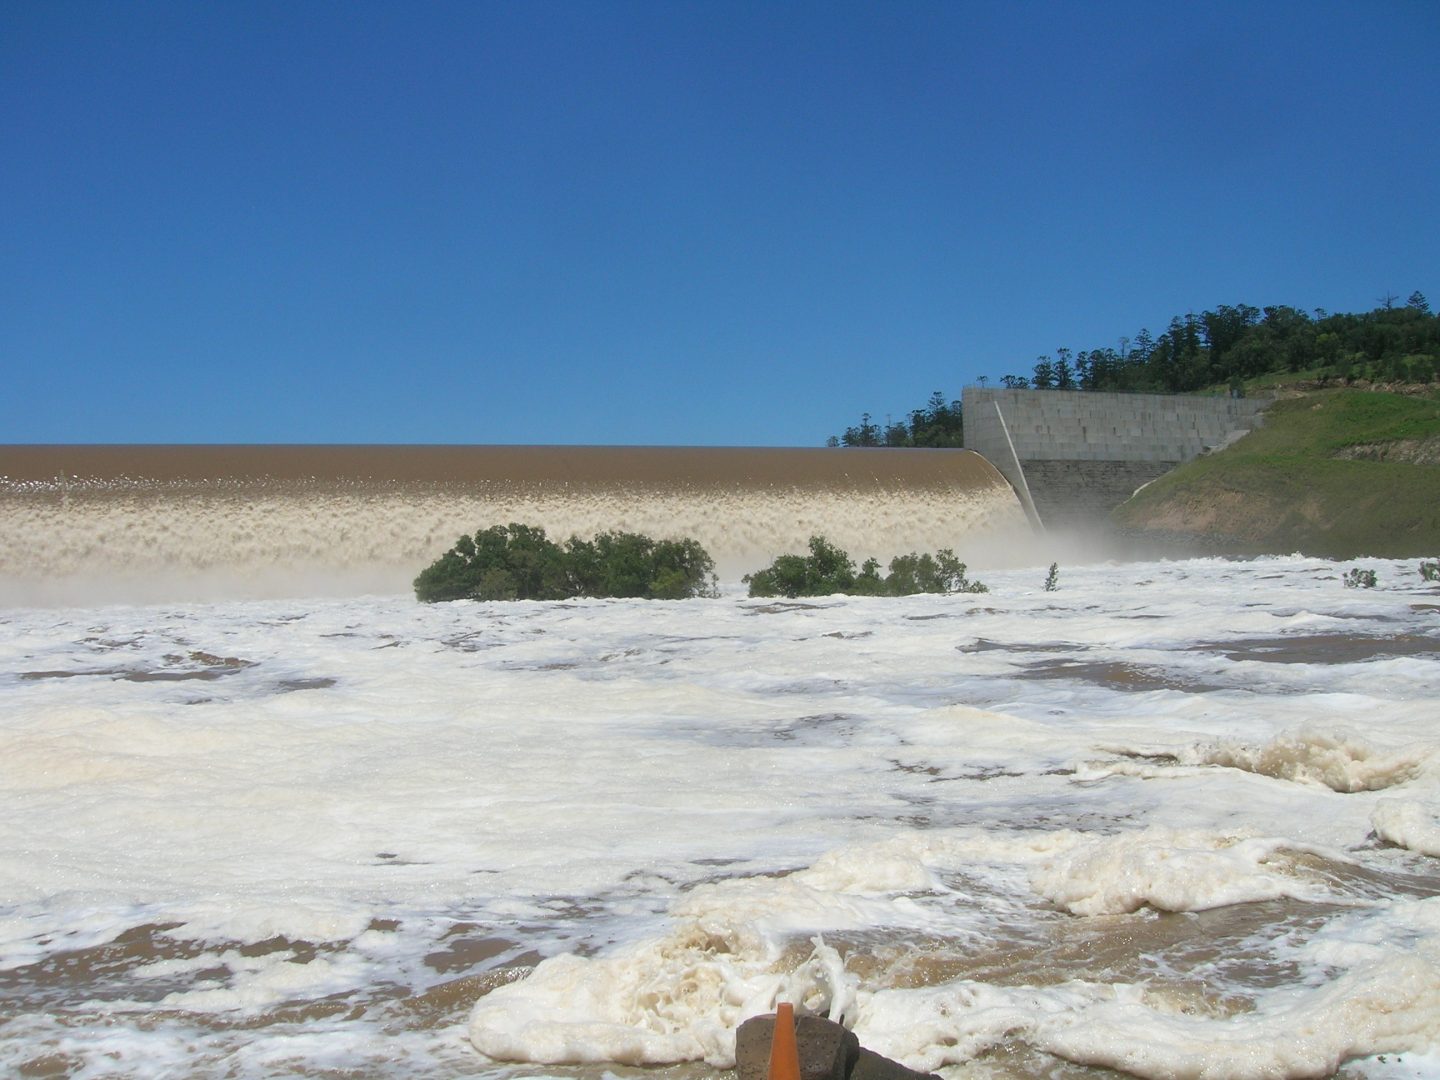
point(363, 835)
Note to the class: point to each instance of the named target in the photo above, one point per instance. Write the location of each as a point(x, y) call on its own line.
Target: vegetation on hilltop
point(1225, 347)
point(1336, 473)
point(1221, 350)
point(938, 425)
point(518, 562)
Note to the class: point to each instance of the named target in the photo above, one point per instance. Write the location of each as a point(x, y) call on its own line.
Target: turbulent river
point(1176, 818)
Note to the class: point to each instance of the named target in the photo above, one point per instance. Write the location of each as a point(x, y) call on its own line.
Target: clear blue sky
point(670, 222)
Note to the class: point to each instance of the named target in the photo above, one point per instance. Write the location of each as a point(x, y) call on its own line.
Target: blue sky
point(668, 223)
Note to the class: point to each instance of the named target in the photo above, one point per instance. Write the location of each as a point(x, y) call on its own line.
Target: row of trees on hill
point(1226, 346)
point(937, 425)
point(1214, 349)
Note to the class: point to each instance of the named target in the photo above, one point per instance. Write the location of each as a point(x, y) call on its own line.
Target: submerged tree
point(1357, 578)
point(519, 562)
point(828, 570)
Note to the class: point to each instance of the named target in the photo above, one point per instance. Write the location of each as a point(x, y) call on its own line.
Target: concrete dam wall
point(1081, 453)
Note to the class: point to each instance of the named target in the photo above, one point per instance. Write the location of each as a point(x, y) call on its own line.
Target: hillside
point(1337, 473)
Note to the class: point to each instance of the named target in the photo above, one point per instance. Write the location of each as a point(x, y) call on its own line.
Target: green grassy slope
point(1287, 486)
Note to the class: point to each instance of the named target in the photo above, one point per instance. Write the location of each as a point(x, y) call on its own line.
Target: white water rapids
point(1179, 819)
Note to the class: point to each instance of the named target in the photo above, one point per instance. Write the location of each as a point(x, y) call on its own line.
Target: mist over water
point(1176, 818)
point(116, 523)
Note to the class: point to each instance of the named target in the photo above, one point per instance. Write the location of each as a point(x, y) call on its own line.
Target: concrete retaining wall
point(1084, 453)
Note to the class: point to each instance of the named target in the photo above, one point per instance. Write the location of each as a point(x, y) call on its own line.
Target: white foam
point(1339, 760)
point(1409, 823)
point(1170, 870)
point(680, 997)
point(894, 810)
point(1381, 994)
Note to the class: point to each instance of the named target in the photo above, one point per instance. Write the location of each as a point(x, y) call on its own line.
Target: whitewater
point(1176, 818)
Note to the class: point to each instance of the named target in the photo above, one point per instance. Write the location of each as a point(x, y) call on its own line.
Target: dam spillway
point(1080, 454)
point(160, 522)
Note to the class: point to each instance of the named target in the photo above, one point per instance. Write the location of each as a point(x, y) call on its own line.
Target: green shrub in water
point(826, 570)
point(519, 562)
point(1430, 570)
point(829, 569)
point(938, 573)
point(1355, 578)
point(1052, 579)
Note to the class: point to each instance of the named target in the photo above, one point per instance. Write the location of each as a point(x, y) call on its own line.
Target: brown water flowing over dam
point(158, 522)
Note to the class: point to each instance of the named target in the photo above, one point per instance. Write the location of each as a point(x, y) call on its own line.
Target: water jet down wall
point(1081, 453)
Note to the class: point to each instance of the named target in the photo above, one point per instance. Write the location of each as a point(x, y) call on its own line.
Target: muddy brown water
point(82, 467)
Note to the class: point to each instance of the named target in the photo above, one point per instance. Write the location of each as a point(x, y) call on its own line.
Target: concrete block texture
point(1151, 426)
point(1077, 493)
point(1084, 453)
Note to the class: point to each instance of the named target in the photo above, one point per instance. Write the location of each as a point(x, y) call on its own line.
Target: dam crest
point(87, 523)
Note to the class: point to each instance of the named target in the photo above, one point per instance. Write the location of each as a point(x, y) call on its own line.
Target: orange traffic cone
point(784, 1054)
